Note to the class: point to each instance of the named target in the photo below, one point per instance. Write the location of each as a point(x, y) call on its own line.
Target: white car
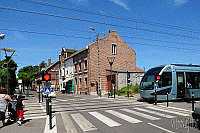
point(53, 94)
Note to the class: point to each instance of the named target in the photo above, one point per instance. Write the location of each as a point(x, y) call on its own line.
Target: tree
point(12, 67)
point(27, 74)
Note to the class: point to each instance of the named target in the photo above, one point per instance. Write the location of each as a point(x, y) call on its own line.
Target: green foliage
point(27, 74)
point(133, 89)
point(12, 67)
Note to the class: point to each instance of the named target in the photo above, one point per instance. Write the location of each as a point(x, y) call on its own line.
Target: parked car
point(53, 94)
point(196, 114)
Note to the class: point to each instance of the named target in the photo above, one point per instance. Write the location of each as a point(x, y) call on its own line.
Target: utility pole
point(99, 67)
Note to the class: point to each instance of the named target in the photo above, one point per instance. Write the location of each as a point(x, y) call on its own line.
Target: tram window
point(192, 80)
point(165, 79)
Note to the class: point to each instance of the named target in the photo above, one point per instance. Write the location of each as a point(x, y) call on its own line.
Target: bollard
point(155, 98)
point(42, 97)
point(50, 114)
point(47, 105)
point(167, 99)
point(192, 101)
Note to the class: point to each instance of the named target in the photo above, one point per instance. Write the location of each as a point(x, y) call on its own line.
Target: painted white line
point(42, 107)
point(69, 126)
point(54, 126)
point(141, 114)
point(84, 124)
point(123, 116)
point(39, 117)
point(160, 128)
point(168, 111)
point(154, 112)
point(188, 111)
point(104, 119)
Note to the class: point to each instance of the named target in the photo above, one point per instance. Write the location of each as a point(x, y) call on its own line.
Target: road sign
point(156, 87)
point(47, 90)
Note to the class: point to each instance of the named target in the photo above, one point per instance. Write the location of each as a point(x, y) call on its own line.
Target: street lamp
point(2, 36)
point(111, 60)
point(8, 58)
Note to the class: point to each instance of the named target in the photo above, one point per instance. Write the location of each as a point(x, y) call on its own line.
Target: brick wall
point(124, 58)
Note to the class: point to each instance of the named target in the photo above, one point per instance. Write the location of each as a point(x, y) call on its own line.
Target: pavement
point(40, 125)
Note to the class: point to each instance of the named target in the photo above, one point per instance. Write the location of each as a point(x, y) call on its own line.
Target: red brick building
point(91, 61)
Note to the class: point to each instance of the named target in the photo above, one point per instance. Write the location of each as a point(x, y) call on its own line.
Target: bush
point(133, 89)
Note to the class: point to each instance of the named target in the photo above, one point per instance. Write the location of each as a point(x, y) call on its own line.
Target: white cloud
point(180, 2)
point(121, 3)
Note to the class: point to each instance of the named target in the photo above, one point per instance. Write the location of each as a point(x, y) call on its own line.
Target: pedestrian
point(4, 99)
point(20, 109)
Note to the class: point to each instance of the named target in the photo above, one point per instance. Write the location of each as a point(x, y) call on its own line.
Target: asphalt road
point(82, 113)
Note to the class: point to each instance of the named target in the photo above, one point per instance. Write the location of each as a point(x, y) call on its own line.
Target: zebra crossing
point(144, 112)
point(34, 110)
point(83, 114)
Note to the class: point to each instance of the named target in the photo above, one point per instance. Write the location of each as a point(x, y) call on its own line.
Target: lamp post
point(2, 36)
point(111, 60)
point(99, 67)
point(8, 58)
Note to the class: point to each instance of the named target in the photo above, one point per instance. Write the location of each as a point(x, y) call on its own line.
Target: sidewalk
point(28, 125)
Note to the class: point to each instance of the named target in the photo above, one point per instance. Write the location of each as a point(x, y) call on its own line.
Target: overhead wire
point(91, 21)
point(95, 32)
point(111, 15)
point(164, 46)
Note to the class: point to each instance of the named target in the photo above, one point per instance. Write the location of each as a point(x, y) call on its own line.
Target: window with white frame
point(114, 49)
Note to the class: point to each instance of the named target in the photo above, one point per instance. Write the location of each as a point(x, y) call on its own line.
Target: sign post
point(156, 88)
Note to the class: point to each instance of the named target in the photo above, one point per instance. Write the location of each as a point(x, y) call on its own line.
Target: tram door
point(180, 85)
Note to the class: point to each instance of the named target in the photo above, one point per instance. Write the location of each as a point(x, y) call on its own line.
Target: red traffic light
point(158, 77)
point(46, 77)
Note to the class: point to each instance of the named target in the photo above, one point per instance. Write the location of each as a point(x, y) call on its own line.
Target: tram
point(178, 80)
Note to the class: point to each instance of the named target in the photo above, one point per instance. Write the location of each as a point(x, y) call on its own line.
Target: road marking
point(188, 111)
point(156, 113)
point(123, 116)
point(160, 128)
point(168, 111)
point(69, 126)
point(104, 119)
point(39, 117)
point(54, 127)
point(141, 114)
point(84, 124)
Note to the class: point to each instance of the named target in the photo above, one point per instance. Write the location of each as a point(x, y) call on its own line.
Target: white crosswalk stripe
point(105, 119)
point(140, 114)
point(34, 111)
point(155, 113)
point(123, 116)
point(84, 124)
point(168, 111)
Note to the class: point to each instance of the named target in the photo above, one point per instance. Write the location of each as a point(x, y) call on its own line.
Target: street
point(92, 114)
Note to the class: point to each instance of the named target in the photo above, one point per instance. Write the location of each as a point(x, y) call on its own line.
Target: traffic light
point(46, 77)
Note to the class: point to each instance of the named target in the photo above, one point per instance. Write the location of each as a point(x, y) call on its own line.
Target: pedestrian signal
point(46, 77)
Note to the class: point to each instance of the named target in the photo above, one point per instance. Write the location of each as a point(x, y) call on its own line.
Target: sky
point(159, 31)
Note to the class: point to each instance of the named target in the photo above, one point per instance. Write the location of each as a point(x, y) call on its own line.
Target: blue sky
point(160, 31)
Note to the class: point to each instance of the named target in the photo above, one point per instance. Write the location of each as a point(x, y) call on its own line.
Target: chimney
point(45, 65)
point(49, 61)
point(113, 32)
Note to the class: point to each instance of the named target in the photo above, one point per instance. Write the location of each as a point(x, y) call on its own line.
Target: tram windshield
point(149, 78)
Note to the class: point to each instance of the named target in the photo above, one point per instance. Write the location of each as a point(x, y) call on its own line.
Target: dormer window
point(114, 49)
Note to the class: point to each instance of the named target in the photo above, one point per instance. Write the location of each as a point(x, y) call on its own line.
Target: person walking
point(20, 109)
point(4, 99)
